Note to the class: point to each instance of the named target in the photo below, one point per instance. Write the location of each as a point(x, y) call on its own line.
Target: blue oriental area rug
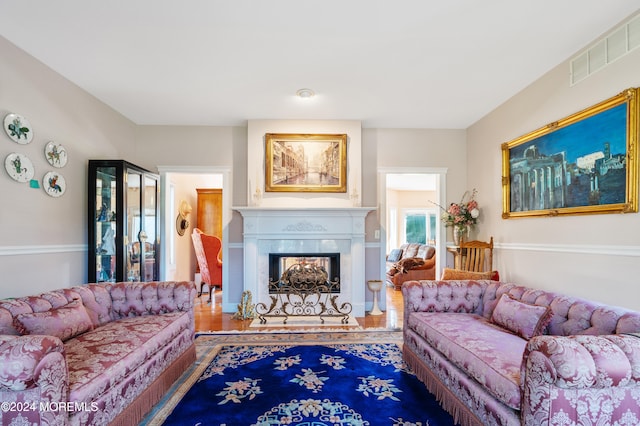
point(347, 383)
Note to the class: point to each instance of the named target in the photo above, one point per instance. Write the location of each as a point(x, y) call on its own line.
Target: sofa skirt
point(143, 404)
point(466, 400)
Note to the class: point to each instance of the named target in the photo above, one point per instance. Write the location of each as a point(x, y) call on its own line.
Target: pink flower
point(464, 213)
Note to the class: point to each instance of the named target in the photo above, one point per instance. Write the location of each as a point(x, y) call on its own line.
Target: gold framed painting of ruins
point(586, 163)
point(305, 162)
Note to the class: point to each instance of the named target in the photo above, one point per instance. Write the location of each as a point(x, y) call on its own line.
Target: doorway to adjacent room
point(409, 212)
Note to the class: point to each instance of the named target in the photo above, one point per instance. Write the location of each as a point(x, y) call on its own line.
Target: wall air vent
point(618, 43)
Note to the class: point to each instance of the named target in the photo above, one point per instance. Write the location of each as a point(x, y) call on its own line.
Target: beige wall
point(593, 256)
point(43, 239)
point(43, 243)
point(410, 148)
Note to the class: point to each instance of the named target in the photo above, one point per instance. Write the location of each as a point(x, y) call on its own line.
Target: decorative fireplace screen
point(281, 264)
point(304, 285)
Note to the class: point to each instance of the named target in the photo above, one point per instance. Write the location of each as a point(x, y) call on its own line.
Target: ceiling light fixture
point(305, 93)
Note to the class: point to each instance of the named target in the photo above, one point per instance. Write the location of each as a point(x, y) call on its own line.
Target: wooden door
point(209, 214)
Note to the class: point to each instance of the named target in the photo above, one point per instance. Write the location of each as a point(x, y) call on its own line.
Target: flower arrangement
point(463, 214)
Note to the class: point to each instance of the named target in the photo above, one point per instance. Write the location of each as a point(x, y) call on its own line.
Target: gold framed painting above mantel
point(305, 162)
point(586, 163)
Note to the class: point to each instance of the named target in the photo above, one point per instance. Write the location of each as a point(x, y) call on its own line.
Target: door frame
point(227, 190)
point(441, 196)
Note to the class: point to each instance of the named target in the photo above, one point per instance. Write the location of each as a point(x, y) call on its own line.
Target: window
point(415, 228)
point(420, 226)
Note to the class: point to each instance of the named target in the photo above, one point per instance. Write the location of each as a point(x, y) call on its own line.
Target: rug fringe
point(300, 330)
point(462, 415)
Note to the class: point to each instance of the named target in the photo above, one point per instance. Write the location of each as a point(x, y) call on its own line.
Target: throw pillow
point(394, 255)
point(458, 274)
point(521, 318)
point(64, 322)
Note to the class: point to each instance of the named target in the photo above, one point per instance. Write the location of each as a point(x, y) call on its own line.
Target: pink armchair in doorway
point(208, 249)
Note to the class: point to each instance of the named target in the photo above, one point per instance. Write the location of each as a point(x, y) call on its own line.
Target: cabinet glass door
point(105, 224)
point(132, 231)
point(140, 230)
point(149, 227)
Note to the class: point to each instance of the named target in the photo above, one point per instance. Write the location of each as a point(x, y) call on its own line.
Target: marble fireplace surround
point(308, 230)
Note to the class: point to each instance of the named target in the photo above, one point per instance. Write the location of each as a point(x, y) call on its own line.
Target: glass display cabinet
point(123, 222)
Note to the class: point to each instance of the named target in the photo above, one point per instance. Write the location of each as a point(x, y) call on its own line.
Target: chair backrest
point(477, 256)
point(207, 248)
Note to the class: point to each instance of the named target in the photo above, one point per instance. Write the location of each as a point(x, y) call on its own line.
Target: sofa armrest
point(20, 359)
point(443, 296)
point(428, 264)
point(400, 278)
point(34, 372)
point(560, 374)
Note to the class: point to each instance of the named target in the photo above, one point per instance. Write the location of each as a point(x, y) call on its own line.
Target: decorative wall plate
point(56, 154)
point(54, 184)
point(19, 167)
point(18, 128)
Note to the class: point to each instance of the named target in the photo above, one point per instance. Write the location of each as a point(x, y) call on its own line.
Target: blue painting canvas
point(581, 164)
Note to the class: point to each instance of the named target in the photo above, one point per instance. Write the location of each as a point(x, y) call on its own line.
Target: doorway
point(409, 212)
point(179, 184)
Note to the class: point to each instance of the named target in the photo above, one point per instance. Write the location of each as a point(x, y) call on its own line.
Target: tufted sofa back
point(571, 315)
point(104, 302)
point(423, 251)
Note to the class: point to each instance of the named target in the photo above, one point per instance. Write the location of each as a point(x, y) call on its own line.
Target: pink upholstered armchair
point(208, 249)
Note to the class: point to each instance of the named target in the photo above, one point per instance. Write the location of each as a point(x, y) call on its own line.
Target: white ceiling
point(390, 64)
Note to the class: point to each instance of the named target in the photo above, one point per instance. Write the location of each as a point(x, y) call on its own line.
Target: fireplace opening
point(307, 269)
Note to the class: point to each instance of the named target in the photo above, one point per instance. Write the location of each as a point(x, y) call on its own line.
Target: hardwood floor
point(209, 317)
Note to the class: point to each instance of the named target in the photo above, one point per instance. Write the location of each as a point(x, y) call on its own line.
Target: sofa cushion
point(65, 322)
point(410, 249)
point(486, 352)
point(394, 255)
point(524, 319)
point(101, 358)
point(97, 301)
point(426, 252)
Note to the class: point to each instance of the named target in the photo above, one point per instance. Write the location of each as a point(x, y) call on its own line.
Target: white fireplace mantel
point(306, 230)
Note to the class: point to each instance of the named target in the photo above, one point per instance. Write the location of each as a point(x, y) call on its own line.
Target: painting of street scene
point(305, 163)
point(582, 164)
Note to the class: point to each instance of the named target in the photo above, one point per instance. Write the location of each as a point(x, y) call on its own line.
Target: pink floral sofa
point(500, 354)
point(96, 354)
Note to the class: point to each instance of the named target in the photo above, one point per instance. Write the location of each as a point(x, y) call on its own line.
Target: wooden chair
point(477, 256)
point(208, 249)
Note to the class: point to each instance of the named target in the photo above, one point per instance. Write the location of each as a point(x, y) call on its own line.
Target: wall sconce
point(181, 221)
